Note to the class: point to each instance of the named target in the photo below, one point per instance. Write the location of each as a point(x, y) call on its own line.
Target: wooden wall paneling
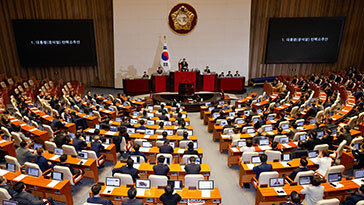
point(352, 45)
point(100, 11)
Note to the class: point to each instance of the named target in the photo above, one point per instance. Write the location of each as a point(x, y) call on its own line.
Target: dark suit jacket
point(295, 172)
point(353, 199)
point(127, 170)
point(8, 188)
point(193, 168)
point(43, 163)
point(166, 149)
point(161, 169)
point(34, 200)
point(312, 112)
point(56, 124)
point(73, 171)
point(132, 202)
point(79, 144)
point(97, 148)
point(99, 200)
point(264, 167)
point(191, 152)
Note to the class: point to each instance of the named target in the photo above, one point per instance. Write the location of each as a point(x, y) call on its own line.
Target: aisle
point(226, 179)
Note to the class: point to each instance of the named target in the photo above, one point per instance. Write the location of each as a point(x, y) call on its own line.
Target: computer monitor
point(135, 113)
point(312, 154)
point(10, 167)
point(270, 117)
point(37, 146)
point(112, 181)
point(150, 122)
point(147, 144)
point(135, 158)
point(303, 137)
point(150, 108)
point(300, 123)
point(221, 102)
point(320, 134)
point(230, 131)
point(255, 120)
point(305, 180)
point(240, 122)
point(357, 146)
point(195, 145)
point(33, 172)
point(276, 182)
point(169, 132)
point(246, 112)
point(239, 106)
point(97, 126)
point(184, 116)
point(208, 104)
point(285, 126)
point(118, 119)
point(58, 151)
point(358, 174)
point(215, 115)
point(223, 122)
point(190, 132)
point(142, 184)
point(40, 127)
point(268, 129)
point(334, 131)
point(259, 111)
point(57, 176)
point(72, 135)
point(206, 184)
point(133, 121)
point(231, 114)
point(211, 108)
point(255, 160)
point(335, 177)
point(88, 138)
point(286, 157)
point(113, 128)
point(225, 107)
point(130, 131)
point(263, 142)
point(167, 123)
point(241, 143)
point(150, 115)
point(172, 144)
point(167, 161)
point(250, 131)
point(176, 184)
point(107, 141)
point(149, 132)
point(83, 155)
point(313, 121)
point(8, 202)
point(283, 140)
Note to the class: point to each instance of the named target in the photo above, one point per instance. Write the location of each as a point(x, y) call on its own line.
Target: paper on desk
point(105, 146)
point(206, 193)
point(146, 136)
point(359, 181)
point(183, 167)
point(159, 137)
point(296, 143)
point(337, 185)
point(20, 177)
point(2, 141)
point(265, 147)
point(250, 166)
point(55, 157)
point(181, 151)
point(345, 110)
point(280, 191)
point(108, 190)
point(53, 183)
point(110, 133)
point(45, 116)
point(286, 146)
point(136, 166)
point(284, 164)
point(23, 125)
point(34, 129)
point(252, 135)
point(3, 172)
point(234, 149)
point(140, 192)
point(13, 120)
point(143, 149)
point(91, 130)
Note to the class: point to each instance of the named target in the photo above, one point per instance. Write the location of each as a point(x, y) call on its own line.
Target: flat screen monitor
point(271, 117)
point(250, 131)
point(231, 114)
point(8, 202)
point(107, 141)
point(57, 176)
point(33, 172)
point(241, 143)
point(246, 112)
point(83, 155)
point(176, 184)
point(135, 158)
point(37, 146)
point(10, 167)
point(169, 132)
point(88, 138)
point(259, 111)
point(335, 177)
point(305, 180)
point(142, 184)
point(195, 145)
point(58, 151)
point(221, 102)
point(97, 126)
point(263, 142)
point(150, 122)
point(300, 123)
point(149, 132)
point(268, 129)
point(320, 134)
point(133, 121)
point(167, 123)
point(150, 108)
point(255, 160)
point(358, 174)
point(313, 121)
point(130, 131)
point(276, 182)
point(150, 115)
point(172, 144)
point(112, 181)
point(285, 126)
point(211, 108)
point(206, 185)
point(184, 116)
point(312, 154)
point(113, 128)
point(283, 140)
point(286, 157)
point(118, 119)
point(208, 104)
point(223, 122)
point(147, 144)
point(240, 122)
point(190, 132)
point(215, 115)
point(303, 137)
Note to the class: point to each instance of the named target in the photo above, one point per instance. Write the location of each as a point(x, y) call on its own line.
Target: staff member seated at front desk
point(96, 199)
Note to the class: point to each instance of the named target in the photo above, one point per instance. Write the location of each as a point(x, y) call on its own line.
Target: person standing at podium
point(183, 65)
point(160, 70)
point(207, 70)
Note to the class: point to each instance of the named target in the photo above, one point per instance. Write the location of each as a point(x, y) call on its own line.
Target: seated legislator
point(63, 159)
point(190, 149)
point(168, 198)
point(166, 148)
point(264, 167)
point(96, 146)
point(79, 143)
point(237, 74)
point(207, 70)
point(56, 123)
point(138, 153)
point(21, 195)
point(96, 199)
point(161, 168)
point(42, 162)
point(132, 192)
point(23, 154)
point(313, 193)
point(164, 117)
point(301, 168)
point(4, 184)
point(355, 198)
point(324, 161)
point(249, 146)
point(221, 75)
point(145, 75)
point(229, 75)
point(295, 199)
point(192, 167)
point(142, 126)
point(127, 169)
point(62, 139)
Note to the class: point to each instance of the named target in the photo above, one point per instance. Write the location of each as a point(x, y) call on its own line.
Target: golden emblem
point(182, 18)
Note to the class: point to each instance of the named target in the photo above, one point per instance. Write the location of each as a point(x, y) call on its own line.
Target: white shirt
point(324, 164)
point(313, 194)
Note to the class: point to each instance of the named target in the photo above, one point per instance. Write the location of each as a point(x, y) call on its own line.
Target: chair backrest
point(284, 122)
point(159, 143)
point(360, 202)
point(294, 110)
point(274, 115)
point(303, 174)
point(234, 138)
point(356, 140)
point(265, 176)
point(273, 155)
point(335, 169)
point(48, 129)
point(123, 144)
point(69, 150)
point(188, 156)
point(237, 119)
point(159, 132)
point(125, 179)
point(34, 123)
point(297, 135)
point(12, 160)
point(247, 127)
point(6, 131)
point(333, 201)
point(139, 141)
point(169, 156)
point(228, 130)
point(278, 137)
point(67, 175)
point(247, 156)
point(183, 143)
point(340, 149)
point(191, 180)
point(50, 146)
point(91, 154)
point(34, 166)
point(360, 118)
point(321, 147)
point(4, 194)
point(158, 180)
point(17, 138)
point(319, 115)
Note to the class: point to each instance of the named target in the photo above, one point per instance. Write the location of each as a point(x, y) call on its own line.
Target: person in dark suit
point(301, 168)
point(138, 153)
point(96, 199)
point(163, 116)
point(192, 167)
point(145, 75)
point(78, 142)
point(207, 70)
point(190, 149)
point(183, 65)
point(295, 199)
point(127, 169)
point(61, 139)
point(160, 70)
point(21, 194)
point(264, 167)
point(63, 159)
point(161, 168)
point(96, 146)
point(168, 198)
point(355, 198)
point(166, 148)
point(300, 151)
point(142, 126)
point(42, 162)
point(4, 184)
point(131, 195)
point(23, 154)
point(229, 74)
point(56, 123)
point(312, 111)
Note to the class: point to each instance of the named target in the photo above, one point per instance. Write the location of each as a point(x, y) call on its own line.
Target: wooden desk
point(160, 137)
point(151, 153)
point(247, 173)
point(106, 133)
point(38, 185)
point(151, 196)
point(9, 147)
point(176, 171)
point(89, 166)
point(41, 135)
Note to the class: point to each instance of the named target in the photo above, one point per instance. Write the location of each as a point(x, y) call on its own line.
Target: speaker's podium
point(186, 89)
